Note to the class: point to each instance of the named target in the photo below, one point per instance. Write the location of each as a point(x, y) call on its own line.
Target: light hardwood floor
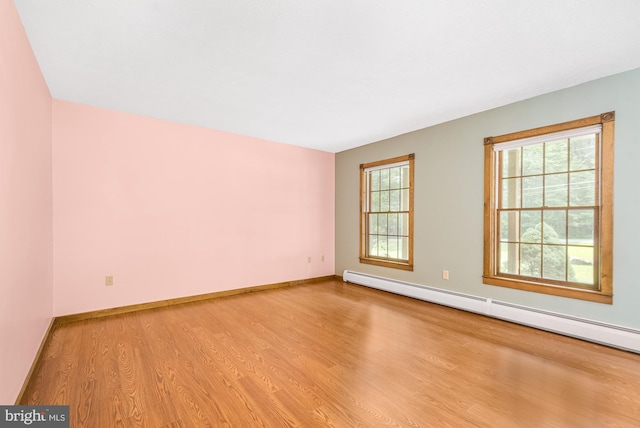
point(329, 354)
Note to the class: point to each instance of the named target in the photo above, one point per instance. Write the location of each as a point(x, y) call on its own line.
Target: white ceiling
point(325, 74)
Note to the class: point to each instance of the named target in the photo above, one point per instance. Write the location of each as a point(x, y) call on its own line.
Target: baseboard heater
point(612, 335)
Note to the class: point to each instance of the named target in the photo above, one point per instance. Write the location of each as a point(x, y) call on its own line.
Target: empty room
point(319, 214)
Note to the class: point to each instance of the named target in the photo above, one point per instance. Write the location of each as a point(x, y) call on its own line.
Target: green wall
point(449, 196)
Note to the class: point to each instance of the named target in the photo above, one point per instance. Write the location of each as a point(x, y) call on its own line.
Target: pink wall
point(25, 205)
point(172, 210)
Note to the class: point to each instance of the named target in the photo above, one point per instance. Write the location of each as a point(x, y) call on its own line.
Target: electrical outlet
point(445, 274)
point(309, 259)
point(108, 280)
point(322, 259)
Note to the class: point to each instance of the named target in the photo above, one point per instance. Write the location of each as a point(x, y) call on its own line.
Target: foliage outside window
point(548, 209)
point(386, 213)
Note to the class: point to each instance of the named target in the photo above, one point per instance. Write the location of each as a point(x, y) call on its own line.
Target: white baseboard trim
point(612, 335)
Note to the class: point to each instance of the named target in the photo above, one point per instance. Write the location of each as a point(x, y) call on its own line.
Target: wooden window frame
point(604, 215)
point(364, 227)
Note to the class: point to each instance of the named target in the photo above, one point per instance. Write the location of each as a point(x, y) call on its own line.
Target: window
point(548, 220)
point(386, 213)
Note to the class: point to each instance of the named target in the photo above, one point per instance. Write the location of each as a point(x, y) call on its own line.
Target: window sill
point(387, 263)
point(573, 293)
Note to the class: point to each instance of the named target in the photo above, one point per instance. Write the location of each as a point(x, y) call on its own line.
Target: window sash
point(384, 199)
point(385, 166)
point(368, 190)
point(501, 182)
point(545, 138)
point(603, 126)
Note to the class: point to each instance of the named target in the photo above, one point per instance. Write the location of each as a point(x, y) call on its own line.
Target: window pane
point(403, 224)
point(392, 251)
point(508, 258)
point(382, 246)
point(394, 200)
point(382, 224)
point(511, 193)
point(394, 177)
point(404, 201)
point(532, 160)
point(556, 190)
point(530, 260)
point(373, 245)
point(530, 226)
point(582, 188)
point(556, 156)
point(373, 223)
point(583, 152)
point(511, 162)
point(581, 224)
point(375, 202)
point(393, 224)
point(404, 249)
point(405, 176)
point(384, 179)
point(509, 226)
point(554, 262)
point(581, 261)
point(532, 192)
point(384, 201)
point(555, 227)
point(375, 180)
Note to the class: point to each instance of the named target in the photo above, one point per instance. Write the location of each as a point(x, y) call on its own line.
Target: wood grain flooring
point(329, 354)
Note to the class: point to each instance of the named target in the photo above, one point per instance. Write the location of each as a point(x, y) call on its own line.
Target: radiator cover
point(612, 335)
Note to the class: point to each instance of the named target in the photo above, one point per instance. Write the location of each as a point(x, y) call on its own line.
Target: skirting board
point(180, 300)
point(612, 335)
point(55, 321)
